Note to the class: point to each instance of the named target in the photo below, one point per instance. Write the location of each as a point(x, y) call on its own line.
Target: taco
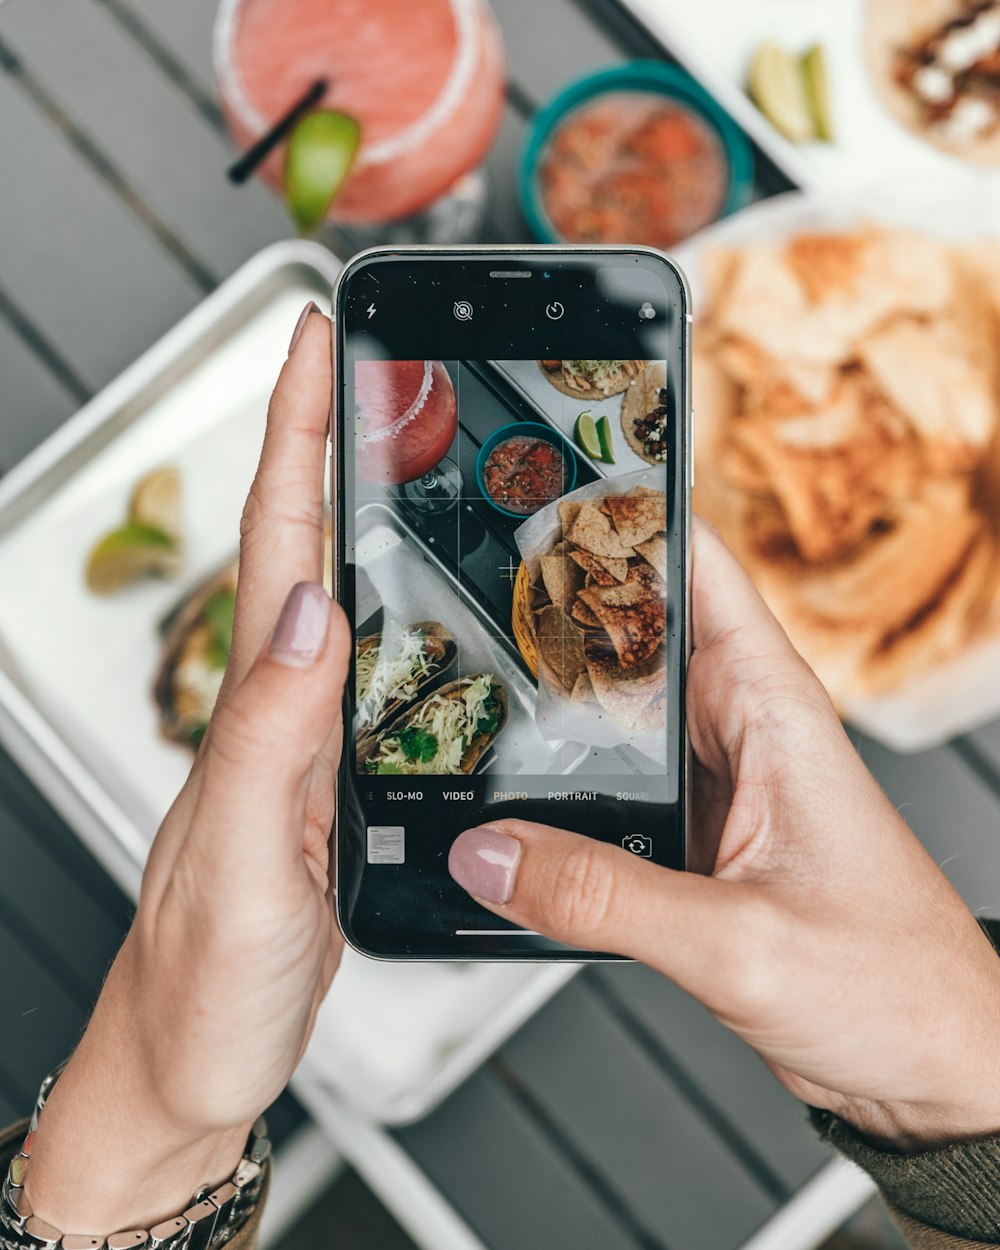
point(935, 64)
point(644, 416)
point(591, 379)
point(392, 671)
point(446, 734)
point(197, 638)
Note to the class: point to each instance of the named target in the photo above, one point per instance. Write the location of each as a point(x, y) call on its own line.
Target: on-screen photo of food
point(547, 574)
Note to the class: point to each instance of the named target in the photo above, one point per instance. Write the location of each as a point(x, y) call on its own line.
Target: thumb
point(264, 740)
point(599, 897)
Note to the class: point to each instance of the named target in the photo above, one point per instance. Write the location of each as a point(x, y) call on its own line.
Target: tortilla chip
point(592, 531)
point(654, 550)
point(783, 382)
point(604, 570)
point(836, 472)
point(626, 694)
point(583, 690)
point(638, 517)
point(560, 645)
point(635, 619)
point(765, 533)
point(925, 370)
point(937, 629)
point(814, 298)
point(562, 578)
point(568, 510)
point(580, 612)
point(897, 571)
point(640, 571)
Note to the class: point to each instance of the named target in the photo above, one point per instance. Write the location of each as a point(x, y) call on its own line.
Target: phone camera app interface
point(515, 573)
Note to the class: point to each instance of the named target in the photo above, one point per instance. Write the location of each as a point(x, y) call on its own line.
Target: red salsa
point(523, 474)
point(633, 167)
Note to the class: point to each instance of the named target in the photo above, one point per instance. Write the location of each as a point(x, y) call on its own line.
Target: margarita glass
point(423, 78)
point(406, 419)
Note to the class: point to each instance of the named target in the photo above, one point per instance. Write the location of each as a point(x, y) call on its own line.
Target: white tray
point(715, 39)
point(76, 670)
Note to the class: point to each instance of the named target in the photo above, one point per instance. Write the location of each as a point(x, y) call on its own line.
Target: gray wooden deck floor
point(622, 1117)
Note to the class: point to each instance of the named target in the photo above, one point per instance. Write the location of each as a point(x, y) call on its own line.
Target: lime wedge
point(817, 84)
point(128, 554)
point(320, 153)
point(156, 501)
point(604, 438)
point(778, 89)
point(585, 436)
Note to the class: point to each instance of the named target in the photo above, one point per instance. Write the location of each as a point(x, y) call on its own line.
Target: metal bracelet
point(210, 1220)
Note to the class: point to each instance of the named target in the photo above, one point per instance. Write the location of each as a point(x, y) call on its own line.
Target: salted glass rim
point(416, 405)
point(386, 150)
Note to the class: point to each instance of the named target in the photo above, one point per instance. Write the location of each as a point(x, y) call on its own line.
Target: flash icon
point(370, 310)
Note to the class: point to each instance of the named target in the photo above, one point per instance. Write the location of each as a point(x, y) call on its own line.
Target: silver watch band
point(212, 1218)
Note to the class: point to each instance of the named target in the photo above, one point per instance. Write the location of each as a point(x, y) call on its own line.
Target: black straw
point(241, 170)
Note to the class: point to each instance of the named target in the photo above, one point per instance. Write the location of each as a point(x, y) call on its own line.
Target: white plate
point(963, 693)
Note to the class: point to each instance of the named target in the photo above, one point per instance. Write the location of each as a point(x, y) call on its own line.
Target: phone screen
point(512, 472)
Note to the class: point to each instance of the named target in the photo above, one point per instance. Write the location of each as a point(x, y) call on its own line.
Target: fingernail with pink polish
point(300, 325)
point(300, 633)
point(484, 862)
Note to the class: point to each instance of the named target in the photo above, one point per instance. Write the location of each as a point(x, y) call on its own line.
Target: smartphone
point(511, 546)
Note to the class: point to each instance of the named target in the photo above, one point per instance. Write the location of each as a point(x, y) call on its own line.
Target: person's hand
point(212, 998)
point(825, 935)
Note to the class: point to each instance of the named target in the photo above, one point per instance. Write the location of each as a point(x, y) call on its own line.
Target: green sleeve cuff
point(954, 1188)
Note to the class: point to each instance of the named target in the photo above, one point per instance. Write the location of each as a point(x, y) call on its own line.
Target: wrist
point(81, 1178)
point(108, 1155)
point(909, 1128)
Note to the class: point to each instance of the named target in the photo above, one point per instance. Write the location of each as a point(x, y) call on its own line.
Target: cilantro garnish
point(418, 744)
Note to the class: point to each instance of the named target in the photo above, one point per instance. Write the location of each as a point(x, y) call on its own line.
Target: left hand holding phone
point(210, 1003)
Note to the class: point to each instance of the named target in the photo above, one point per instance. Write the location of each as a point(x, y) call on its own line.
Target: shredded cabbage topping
point(441, 730)
point(390, 671)
point(596, 371)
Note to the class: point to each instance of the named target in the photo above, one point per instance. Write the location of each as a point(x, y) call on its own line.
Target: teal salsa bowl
point(650, 76)
point(527, 429)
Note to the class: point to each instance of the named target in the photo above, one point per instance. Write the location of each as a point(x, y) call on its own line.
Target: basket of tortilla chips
point(594, 611)
point(847, 383)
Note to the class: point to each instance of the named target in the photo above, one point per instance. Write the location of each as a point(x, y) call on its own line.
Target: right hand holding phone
point(815, 925)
